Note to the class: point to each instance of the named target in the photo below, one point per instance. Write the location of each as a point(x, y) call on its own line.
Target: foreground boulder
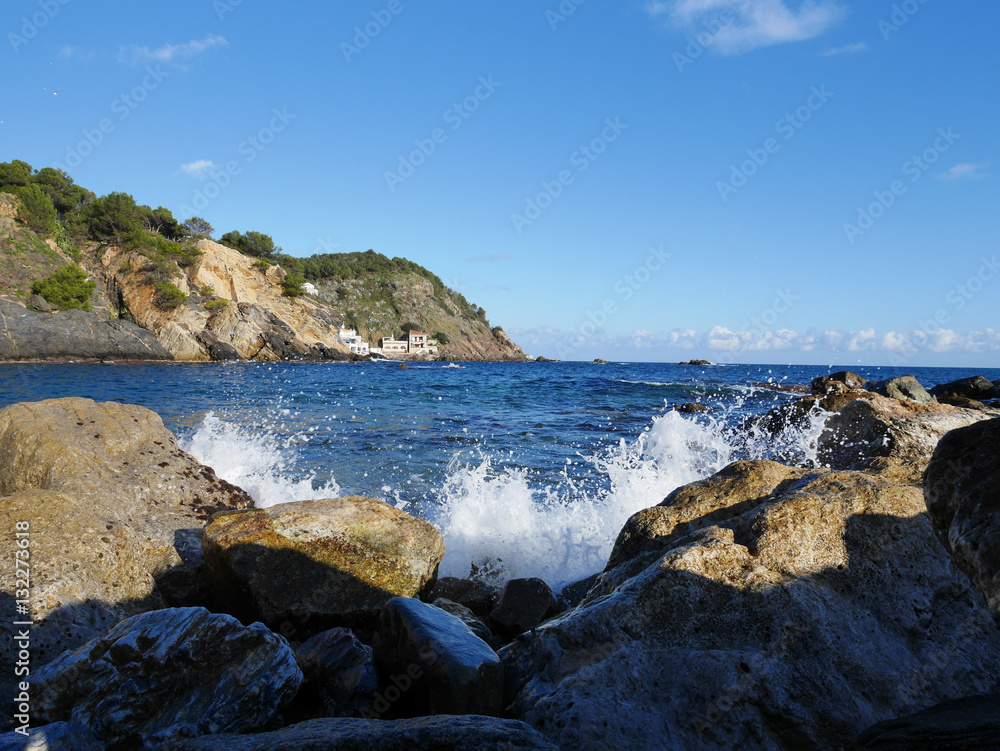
point(72, 335)
point(311, 565)
point(113, 506)
point(962, 488)
point(818, 608)
point(524, 603)
point(167, 675)
point(442, 733)
point(438, 665)
point(970, 724)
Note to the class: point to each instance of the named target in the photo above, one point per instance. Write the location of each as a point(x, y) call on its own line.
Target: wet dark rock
point(478, 596)
point(167, 675)
point(969, 724)
point(692, 408)
point(478, 627)
point(347, 734)
point(449, 667)
point(340, 676)
point(572, 594)
point(962, 401)
point(523, 604)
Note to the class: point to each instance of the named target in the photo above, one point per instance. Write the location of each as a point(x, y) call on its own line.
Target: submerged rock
point(442, 733)
point(339, 670)
point(962, 488)
point(447, 669)
point(808, 614)
point(310, 565)
point(167, 675)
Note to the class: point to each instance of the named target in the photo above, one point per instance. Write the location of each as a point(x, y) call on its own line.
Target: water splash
point(261, 464)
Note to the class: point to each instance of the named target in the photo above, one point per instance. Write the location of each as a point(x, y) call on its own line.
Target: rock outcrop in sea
point(767, 606)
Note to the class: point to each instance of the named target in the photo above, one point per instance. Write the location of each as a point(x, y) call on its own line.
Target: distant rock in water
point(543, 358)
point(599, 361)
point(73, 335)
point(695, 362)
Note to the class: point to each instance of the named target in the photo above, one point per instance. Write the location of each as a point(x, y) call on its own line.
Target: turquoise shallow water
point(534, 465)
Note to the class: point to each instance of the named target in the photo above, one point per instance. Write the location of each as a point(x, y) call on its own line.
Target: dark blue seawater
point(529, 467)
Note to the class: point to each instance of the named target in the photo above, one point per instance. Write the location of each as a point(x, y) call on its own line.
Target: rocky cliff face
point(243, 316)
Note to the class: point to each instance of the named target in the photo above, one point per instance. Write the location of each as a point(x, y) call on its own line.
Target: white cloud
point(749, 24)
point(170, 53)
point(964, 170)
point(198, 168)
point(861, 340)
point(847, 49)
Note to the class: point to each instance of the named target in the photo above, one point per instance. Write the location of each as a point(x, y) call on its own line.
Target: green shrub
point(291, 285)
point(37, 210)
point(251, 244)
point(441, 338)
point(262, 264)
point(216, 304)
point(67, 288)
point(169, 296)
point(207, 291)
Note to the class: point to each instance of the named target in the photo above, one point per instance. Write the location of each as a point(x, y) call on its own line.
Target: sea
point(528, 469)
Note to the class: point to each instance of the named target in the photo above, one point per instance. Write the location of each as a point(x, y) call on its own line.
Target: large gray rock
point(449, 669)
point(814, 611)
point(340, 677)
point(307, 566)
point(73, 335)
point(167, 675)
point(962, 488)
point(904, 388)
point(59, 736)
point(970, 724)
point(975, 387)
point(442, 733)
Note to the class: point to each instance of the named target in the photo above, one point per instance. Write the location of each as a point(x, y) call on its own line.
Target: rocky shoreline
point(850, 605)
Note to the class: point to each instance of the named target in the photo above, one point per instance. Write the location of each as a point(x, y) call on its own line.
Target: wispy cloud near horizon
point(963, 171)
point(172, 54)
point(758, 23)
point(197, 168)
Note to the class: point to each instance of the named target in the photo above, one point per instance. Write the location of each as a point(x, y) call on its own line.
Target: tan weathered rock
point(259, 322)
point(962, 488)
point(800, 621)
point(85, 573)
point(163, 676)
point(443, 733)
point(314, 564)
point(123, 466)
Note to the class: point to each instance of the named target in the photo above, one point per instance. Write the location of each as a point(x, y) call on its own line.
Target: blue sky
point(739, 180)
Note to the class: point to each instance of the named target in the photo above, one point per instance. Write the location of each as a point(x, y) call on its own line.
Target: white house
point(357, 343)
point(310, 289)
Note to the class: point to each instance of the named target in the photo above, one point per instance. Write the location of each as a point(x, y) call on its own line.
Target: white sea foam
point(261, 464)
point(493, 519)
